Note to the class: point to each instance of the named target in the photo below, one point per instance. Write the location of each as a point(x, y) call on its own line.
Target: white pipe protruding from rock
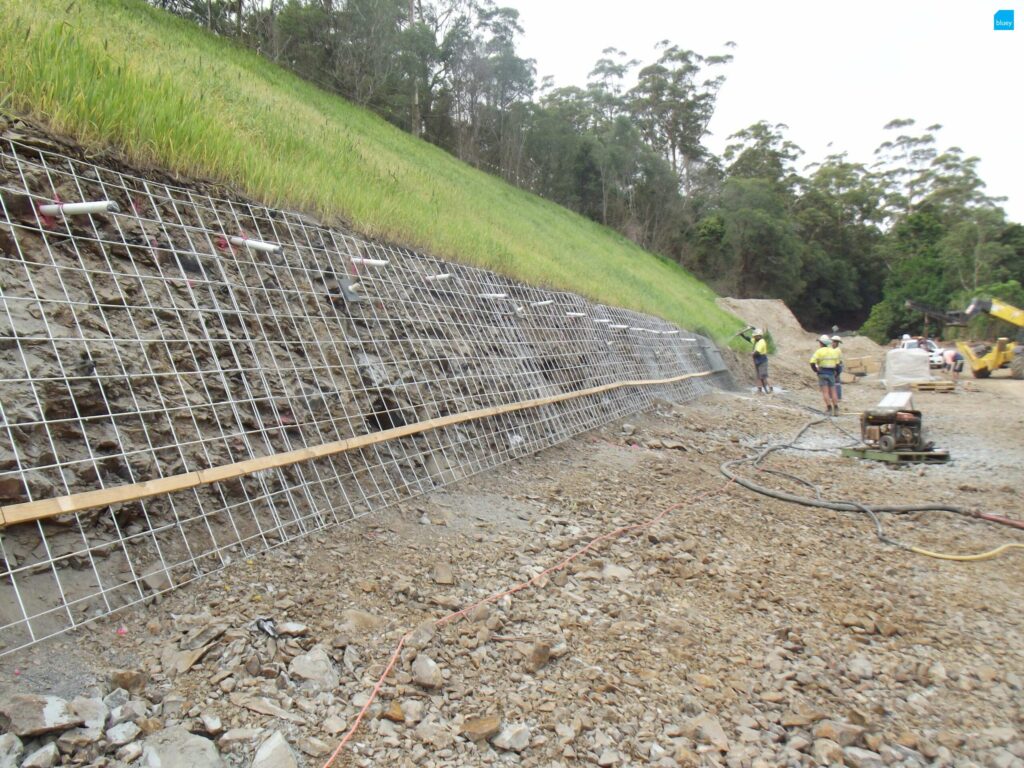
point(437, 278)
point(79, 209)
point(575, 314)
point(492, 295)
point(670, 333)
point(618, 326)
point(354, 286)
point(370, 262)
point(255, 245)
point(602, 320)
point(544, 303)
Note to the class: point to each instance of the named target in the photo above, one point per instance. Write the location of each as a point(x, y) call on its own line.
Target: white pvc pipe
point(601, 320)
point(370, 262)
point(544, 303)
point(442, 276)
point(79, 209)
point(255, 245)
point(492, 295)
point(670, 333)
point(616, 325)
point(354, 287)
point(575, 314)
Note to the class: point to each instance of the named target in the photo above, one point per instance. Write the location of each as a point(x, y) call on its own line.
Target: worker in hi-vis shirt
point(824, 362)
point(760, 356)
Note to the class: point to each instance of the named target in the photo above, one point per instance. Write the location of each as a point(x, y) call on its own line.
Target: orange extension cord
point(512, 590)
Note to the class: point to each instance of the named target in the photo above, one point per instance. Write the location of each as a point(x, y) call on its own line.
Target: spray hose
point(872, 511)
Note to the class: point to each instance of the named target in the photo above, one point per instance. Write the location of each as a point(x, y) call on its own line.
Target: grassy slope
point(120, 72)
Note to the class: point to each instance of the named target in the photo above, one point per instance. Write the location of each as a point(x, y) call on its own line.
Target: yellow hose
point(967, 558)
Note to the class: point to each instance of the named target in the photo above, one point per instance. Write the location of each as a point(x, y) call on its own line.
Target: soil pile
point(794, 345)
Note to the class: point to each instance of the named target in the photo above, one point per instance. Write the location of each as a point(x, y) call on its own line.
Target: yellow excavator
point(1004, 353)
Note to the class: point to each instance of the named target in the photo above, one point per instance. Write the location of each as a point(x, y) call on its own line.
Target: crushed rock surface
point(737, 630)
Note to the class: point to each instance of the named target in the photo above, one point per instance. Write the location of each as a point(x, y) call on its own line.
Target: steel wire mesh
point(186, 332)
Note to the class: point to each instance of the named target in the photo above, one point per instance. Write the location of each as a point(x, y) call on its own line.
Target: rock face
point(28, 715)
point(177, 748)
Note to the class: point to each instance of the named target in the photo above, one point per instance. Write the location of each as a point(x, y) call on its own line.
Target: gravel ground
point(736, 630)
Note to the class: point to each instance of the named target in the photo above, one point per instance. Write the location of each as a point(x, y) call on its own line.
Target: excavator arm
point(996, 308)
point(942, 316)
point(1005, 352)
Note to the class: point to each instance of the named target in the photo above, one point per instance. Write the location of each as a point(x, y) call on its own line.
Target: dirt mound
point(790, 337)
point(772, 315)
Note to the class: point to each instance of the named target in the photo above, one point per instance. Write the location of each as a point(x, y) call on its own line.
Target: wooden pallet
point(897, 457)
point(934, 386)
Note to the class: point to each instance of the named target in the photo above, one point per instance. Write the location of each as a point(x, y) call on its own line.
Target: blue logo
point(1004, 20)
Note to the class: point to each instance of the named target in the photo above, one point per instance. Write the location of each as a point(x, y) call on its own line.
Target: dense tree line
point(840, 241)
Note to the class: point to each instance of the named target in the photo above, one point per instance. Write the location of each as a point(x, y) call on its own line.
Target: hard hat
point(906, 337)
point(758, 332)
point(824, 339)
point(836, 338)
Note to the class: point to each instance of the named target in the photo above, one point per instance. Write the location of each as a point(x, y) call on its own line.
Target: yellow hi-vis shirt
point(761, 347)
point(827, 357)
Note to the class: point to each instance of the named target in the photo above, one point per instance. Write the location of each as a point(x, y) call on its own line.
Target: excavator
point(984, 358)
point(1004, 353)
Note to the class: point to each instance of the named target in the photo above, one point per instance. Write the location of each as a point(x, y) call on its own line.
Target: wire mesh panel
point(160, 332)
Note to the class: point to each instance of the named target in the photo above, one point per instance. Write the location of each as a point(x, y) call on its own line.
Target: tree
point(762, 251)
point(673, 103)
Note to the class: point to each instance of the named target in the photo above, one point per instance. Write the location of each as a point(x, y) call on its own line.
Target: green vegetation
point(121, 73)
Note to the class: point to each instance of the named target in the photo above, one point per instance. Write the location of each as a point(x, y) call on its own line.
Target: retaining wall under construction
point(186, 380)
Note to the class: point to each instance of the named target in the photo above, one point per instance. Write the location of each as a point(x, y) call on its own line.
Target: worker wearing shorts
point(954, 362)
point(824, 362)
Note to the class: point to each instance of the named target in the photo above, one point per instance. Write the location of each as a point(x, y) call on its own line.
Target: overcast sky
point(832, 72)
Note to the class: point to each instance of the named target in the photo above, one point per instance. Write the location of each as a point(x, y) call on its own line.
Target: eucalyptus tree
point(673, 102)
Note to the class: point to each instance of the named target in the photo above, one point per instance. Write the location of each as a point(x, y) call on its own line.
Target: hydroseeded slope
point(120, 73)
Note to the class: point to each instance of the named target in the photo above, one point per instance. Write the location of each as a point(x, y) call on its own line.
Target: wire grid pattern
point(175, 335)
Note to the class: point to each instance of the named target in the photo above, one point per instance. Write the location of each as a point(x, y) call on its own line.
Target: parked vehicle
point(928, 345)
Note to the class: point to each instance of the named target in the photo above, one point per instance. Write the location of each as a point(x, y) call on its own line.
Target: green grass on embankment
point(166, 93)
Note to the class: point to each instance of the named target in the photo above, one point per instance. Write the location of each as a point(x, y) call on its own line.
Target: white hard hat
point(906, 337)
point(824, 339)
point(837, 338)
point(758, 332)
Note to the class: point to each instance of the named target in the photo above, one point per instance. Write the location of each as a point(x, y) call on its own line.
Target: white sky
point(832, 72)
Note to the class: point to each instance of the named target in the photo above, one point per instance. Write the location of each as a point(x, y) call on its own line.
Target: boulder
point(30, 715)
point(132, 680)
point(481, 728)
point(315, 669)
point(10, 751)
point(426, 673)
point(177, 748)
point(44, 757)
point(514, 738)
point(275, 753)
